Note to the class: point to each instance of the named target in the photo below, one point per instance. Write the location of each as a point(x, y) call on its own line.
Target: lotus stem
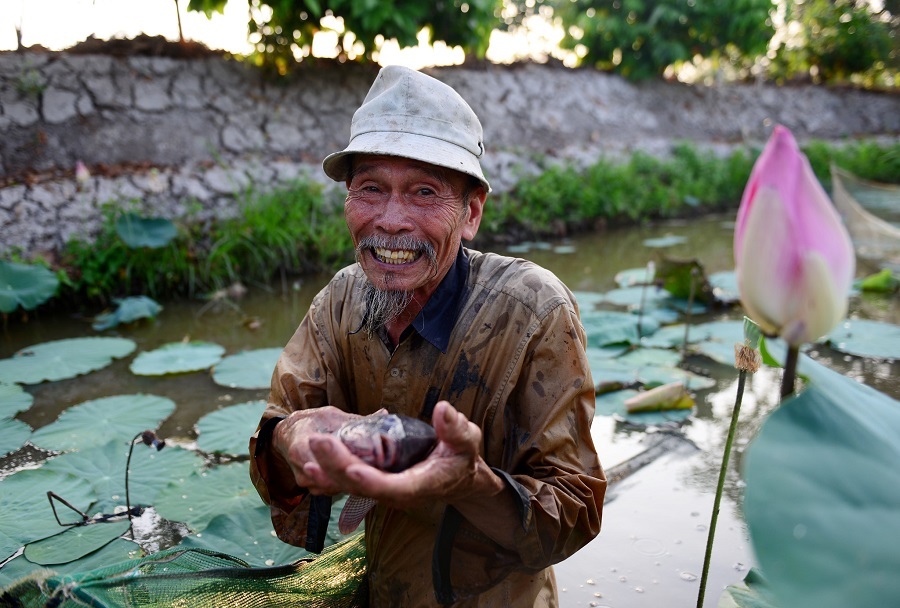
point(722, 472)
point(789, 380)
point(690, 309)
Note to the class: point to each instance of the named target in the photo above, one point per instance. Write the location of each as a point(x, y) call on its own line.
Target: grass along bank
point(299, 229)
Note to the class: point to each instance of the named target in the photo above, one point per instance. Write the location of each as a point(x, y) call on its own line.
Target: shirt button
point(395, 372)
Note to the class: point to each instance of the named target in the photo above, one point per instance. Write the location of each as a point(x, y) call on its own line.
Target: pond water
point(650, 552)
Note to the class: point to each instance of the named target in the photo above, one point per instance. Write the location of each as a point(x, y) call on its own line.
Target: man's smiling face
point(407, 219)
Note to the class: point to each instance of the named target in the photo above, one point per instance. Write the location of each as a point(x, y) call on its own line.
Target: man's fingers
point(454, 429)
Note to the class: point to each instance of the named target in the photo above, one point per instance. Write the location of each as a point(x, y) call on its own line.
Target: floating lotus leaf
point(23, 500)
point(885, 281)
point(725, 287)
point(74, 543)
point(150, 472)
point(61, 359)
point(249, 369)
point(624, 371)
point(177, 358)
point(138, 231)
point(564, 249)
point(227, 431)
point(127, 310)
point(25, 285)
point(865, 338)
point(728, 333)
point(634, 297)
point(682, 277)
point(665, 241)
point(247, 535)
point(13, 435)
point(100, 421)
point(634, 276)
point(13, 399)
point(613, 404)
point(587, 300)
point(822, 494)
point(655, 357)
point(607, 327)
point(753, 592)
point(119, 550)
point(198, 498)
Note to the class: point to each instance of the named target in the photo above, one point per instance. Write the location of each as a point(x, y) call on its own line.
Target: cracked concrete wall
point(185, 138)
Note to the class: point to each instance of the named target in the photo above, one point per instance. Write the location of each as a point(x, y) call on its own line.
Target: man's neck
point(401, 322)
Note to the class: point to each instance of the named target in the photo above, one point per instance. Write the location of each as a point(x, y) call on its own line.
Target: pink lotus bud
point(793, 256)
point(82, 175)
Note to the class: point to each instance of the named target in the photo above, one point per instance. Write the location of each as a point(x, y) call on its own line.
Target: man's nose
point(395, 215)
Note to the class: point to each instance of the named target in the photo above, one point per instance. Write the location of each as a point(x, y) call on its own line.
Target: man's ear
point(475, 209)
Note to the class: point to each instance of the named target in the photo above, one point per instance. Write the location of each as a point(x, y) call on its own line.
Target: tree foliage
point(641, 38)
point(837, 39)
point(283, 29)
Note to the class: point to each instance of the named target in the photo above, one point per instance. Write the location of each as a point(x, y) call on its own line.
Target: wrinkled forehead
point(368, 164)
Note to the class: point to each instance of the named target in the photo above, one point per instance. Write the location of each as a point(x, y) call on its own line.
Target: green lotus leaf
point(149, 473)
point(865, 338)
point(61, 359)
point(634, 297)
point(607, 327)
point(13, 399)
point(247, 535)
point(753, 592)
point(127, 310)
point(725, 286)
point(606, 372)
point(136, 231)
point(177, 358)
point(634, 276)
point(228, 430)
point(728, 333)
point(119, 550)
point(613, 404)
point(74, 543)
point(644, 357)
point(25, 285)
point(249, 369)
point(198, 498)
point(100, 421)
point(587, 300)
point(665, 241)
point(822, 494)
point(23, 499)
point(13, 435)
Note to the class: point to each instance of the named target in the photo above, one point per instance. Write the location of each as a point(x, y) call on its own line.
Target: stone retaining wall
point(163, 136)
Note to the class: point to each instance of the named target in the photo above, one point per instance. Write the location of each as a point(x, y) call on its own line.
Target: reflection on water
point(657, 515)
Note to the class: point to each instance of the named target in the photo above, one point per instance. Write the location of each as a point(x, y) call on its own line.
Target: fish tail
point(353, 513)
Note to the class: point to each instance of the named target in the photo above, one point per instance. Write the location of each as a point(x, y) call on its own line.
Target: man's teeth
point(394, 256)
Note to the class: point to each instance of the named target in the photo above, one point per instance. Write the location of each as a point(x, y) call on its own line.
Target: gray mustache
point(400, 242)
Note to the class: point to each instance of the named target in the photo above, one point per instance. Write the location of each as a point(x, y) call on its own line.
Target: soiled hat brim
point(406, 145)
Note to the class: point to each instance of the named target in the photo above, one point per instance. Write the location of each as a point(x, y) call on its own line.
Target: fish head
point(389, 442)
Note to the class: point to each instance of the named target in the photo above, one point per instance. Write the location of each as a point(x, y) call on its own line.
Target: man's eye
point(425, 192)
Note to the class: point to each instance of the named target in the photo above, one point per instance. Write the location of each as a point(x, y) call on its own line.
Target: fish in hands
point(388, 442)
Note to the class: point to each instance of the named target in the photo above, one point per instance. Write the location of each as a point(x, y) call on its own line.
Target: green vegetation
point(282, 30)
point(639, 39)
point(820, 40)
point(299, 228)
point(292, 230)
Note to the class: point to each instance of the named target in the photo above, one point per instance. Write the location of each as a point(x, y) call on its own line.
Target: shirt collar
point(436, 320)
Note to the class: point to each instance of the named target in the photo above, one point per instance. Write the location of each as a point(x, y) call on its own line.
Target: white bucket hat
point(409, 114)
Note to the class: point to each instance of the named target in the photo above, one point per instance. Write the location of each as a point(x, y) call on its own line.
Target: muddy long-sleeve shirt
point(501, 340)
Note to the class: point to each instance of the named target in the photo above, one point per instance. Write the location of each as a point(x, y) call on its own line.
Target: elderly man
point(488, 349)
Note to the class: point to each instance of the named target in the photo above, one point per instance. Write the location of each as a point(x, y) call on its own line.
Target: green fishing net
point(199, 578)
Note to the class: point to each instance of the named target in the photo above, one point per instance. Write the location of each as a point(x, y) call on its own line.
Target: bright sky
point(57, 24)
